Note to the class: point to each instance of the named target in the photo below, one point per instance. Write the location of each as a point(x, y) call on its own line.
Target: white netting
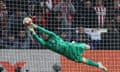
point(95, 22)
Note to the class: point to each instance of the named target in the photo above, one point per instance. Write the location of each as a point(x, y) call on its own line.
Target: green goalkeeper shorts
point(75, 52)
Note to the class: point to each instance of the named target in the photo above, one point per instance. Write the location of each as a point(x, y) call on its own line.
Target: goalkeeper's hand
point(29, 23)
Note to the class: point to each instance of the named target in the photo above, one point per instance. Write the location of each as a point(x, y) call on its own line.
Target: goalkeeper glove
point(29, 23)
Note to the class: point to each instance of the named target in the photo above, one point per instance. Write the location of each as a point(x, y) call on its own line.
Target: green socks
point(91, 63)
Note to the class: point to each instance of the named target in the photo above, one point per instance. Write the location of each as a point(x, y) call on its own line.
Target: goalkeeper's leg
point(95, 64)
point(88, 61)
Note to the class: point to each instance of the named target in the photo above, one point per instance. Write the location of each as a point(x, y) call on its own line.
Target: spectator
point(63, 35)
point(67, 10)
point(12, 5)
point(115, 9)
point(86, 16)
point(30, 7)
point(10, 40)
point(36, 5)
point(109, 4)
point(116, 3)
point(16, 18)
point(116, 23)
point(3, 15)
point(47, 4)
point(15, 25)
point(54, 2)
point(3, 38)
point(27, 6)
point(3, 22)
point(22, 41)
point(54, 21)
point(18, 41)
point(95, 34)
point(77, 4)
point(4, 34)
point(111, 39)
point(113, 23)
point(107, 21)
point(43, 9)
point(80, 35)
point(41, 17)
point(101, 11)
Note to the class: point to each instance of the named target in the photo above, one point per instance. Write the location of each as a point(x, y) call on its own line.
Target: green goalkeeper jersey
point(58, 45)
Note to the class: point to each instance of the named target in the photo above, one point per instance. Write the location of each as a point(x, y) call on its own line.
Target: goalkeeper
point(72, 51)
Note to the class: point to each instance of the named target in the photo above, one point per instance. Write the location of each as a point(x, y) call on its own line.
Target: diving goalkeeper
point(72, 51)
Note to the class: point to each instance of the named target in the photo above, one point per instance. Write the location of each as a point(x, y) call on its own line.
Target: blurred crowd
point(67, 18)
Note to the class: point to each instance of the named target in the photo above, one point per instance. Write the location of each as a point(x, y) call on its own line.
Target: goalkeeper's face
point(44, 36)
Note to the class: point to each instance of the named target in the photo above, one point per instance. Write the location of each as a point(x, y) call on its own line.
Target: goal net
point(94, 22)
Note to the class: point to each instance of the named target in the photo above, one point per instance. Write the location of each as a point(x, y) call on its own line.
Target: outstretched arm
point(44, 30)
point(28, 22)
point(38, 39)
point(36, 36)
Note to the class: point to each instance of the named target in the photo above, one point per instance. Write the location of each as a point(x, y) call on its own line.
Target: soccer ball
point(27, 21)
